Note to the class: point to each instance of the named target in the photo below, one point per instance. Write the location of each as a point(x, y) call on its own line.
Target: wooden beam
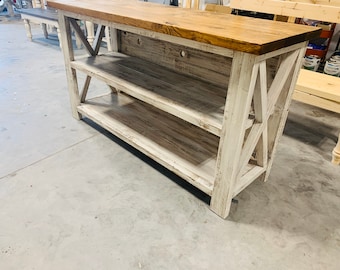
point(316, 101)
point(85, 89)
point(82, 37)
point(98, 38)
point(240, 92)
point(260, 107)
point(318, 84)
point(66, 41)
point(218, 8)
point(319, 2)
point(297, 9)
point(277, 120)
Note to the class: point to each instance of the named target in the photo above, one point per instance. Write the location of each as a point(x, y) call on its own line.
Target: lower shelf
point(183, 148)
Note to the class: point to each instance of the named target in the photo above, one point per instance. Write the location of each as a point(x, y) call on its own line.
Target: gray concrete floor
point(74, 197)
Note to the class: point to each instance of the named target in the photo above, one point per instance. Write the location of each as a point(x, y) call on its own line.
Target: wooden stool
point(40, 15)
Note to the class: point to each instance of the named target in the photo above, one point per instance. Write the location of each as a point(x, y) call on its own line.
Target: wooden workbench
point(204, 94)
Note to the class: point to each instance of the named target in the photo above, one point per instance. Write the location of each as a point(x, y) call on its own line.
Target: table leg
point(249, 93)
point(66, 42)
point(44, 28)
point(111, 39)
point(28, 29)
point(59, 37)
point(90, 31)
point(240, 92)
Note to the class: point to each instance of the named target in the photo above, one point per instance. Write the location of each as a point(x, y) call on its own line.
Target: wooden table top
point(256, 36)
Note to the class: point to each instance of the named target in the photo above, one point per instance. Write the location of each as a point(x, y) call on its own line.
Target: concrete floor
point(74, 197)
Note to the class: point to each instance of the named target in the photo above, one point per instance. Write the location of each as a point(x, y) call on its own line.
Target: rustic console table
point(204, 94)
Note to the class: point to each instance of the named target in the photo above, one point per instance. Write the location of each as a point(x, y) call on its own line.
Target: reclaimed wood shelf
point(178, 145)
point(196, 101)
point(205, 95)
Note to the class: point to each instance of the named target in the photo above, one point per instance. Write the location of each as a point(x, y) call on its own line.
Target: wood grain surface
point(183, 148)
point(196, 101)
point(323, 10)
point(324, 85)
point(239, 33)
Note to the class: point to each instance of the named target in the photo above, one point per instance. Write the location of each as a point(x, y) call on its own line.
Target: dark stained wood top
point(239, 33)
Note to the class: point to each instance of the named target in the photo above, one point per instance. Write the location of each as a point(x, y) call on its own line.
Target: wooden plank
point(316, 101)
point(85, 88)
point(40, 20)
point(250, 144)
point(82, 37)
point(249, 177)
point(179, 146)
point(49, 14)
point(240, 92)
point(319, 2)
point(277, 120)
point(198, 102)
point(223, 30)
point(218, 8)
point(182, 148)
point(186, 4)
point(202, 65)
point(72, 82)
point(98, 38)
point(291, 8)
point(260, 107)
point(112, 39)
point(318, 84)
point(195, 4)
point(280, 79)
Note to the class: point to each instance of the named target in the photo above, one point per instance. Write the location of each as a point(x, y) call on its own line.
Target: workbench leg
point(28, 29)
point(240, 92)
point(336, 153)
point(66, 43)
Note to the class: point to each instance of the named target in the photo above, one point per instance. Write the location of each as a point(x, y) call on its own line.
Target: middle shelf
point(196, 101)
